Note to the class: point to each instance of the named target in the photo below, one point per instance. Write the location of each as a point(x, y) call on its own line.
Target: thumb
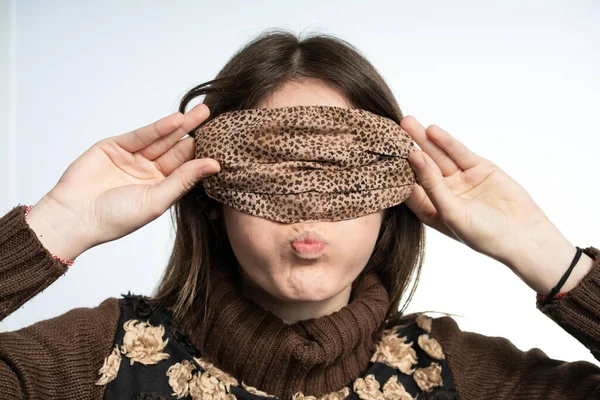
point(180, 181)
point(430, 177)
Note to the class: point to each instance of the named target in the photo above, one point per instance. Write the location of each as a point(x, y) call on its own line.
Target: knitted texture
point(26, 266)
point(60, 357)
point(493, 367)
point(315, 356)
point(56, 358)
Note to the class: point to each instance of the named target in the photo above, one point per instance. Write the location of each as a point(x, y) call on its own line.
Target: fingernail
point(208, 169)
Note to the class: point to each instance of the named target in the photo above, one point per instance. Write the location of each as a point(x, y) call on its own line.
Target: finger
point(432, 181)
point(139, 138)
point(192, 119)
point(423, 208)
point(142, 137)
point(162, 196)
point(420, 204)
point(418, 133)
point(182, 152)
point(457, 151)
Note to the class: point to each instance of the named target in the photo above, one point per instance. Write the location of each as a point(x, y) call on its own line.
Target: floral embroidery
point(395, 390)
point(393, 351)
point(224, 377)
point(368, 389)
point(339, 395)
point(180, 375)
point(207, 387)
point(424, 322)
point(431, 346)
point(110, 368)
point(254, 390)
point(429, 377)
point(212, 384)
point(143, 342)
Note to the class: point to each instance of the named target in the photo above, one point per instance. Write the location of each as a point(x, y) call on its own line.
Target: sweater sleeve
point(493, 367)
point(59, 358)
point(54, 358)
point(26, 266)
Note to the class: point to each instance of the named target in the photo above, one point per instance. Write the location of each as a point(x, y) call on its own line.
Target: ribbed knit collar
point(316, 356)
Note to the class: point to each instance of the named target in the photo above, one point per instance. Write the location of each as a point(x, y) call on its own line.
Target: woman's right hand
point(120, 184)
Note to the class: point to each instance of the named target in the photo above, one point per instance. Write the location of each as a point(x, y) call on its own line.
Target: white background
point(516, 81)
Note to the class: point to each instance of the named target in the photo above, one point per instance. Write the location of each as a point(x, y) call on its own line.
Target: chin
point(310, 287)
point(308, 296)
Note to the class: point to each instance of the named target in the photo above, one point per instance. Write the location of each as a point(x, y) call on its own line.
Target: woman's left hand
point(470, 199)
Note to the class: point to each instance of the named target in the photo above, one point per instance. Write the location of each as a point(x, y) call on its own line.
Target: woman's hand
point(121, 184)
point(470, 199)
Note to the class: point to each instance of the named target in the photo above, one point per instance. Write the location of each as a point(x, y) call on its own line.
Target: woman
point(241, 313)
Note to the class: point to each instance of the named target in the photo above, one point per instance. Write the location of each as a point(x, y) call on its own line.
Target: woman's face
point(263, 248)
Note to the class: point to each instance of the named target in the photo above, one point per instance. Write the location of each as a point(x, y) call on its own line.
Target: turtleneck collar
point(315, 356)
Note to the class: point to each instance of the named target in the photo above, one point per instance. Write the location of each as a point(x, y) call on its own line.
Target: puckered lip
point(308, 236)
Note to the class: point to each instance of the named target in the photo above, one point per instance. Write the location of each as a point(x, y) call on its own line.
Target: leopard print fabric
point(306, 163)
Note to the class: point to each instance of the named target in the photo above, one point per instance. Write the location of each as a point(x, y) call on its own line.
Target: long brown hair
point(272, 59)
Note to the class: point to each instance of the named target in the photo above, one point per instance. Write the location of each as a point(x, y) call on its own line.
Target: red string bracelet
point(64, 261)
point(542, 297)
point(553, 295)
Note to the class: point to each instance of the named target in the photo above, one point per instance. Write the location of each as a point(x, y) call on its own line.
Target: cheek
point(360, 240)
point(250, 239)
point(364, 231)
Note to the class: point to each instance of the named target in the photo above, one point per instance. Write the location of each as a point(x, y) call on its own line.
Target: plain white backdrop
point(515, 81)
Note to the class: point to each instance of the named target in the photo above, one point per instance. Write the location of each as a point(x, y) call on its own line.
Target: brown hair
point(267, 62)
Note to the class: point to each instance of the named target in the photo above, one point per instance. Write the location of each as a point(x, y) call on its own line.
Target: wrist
point(543, 259)
point(57, 233)
point(581, 269)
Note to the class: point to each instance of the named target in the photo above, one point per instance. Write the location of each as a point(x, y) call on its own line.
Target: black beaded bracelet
point(564, 278)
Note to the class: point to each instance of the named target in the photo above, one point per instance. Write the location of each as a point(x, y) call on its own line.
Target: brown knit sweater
point(61, 357)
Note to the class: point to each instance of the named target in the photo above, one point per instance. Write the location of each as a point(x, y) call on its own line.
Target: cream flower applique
point(223, 376)
point(428, 378)
point(180, 375)
point(211, 384)
point(393, 390)
point(110, 368)
point(207, 387)
point(393, 351)
point(424, 322)
point(339, 395)
point(369, 389)
point(143, 342)
point(255, 391)
point(431, 346)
